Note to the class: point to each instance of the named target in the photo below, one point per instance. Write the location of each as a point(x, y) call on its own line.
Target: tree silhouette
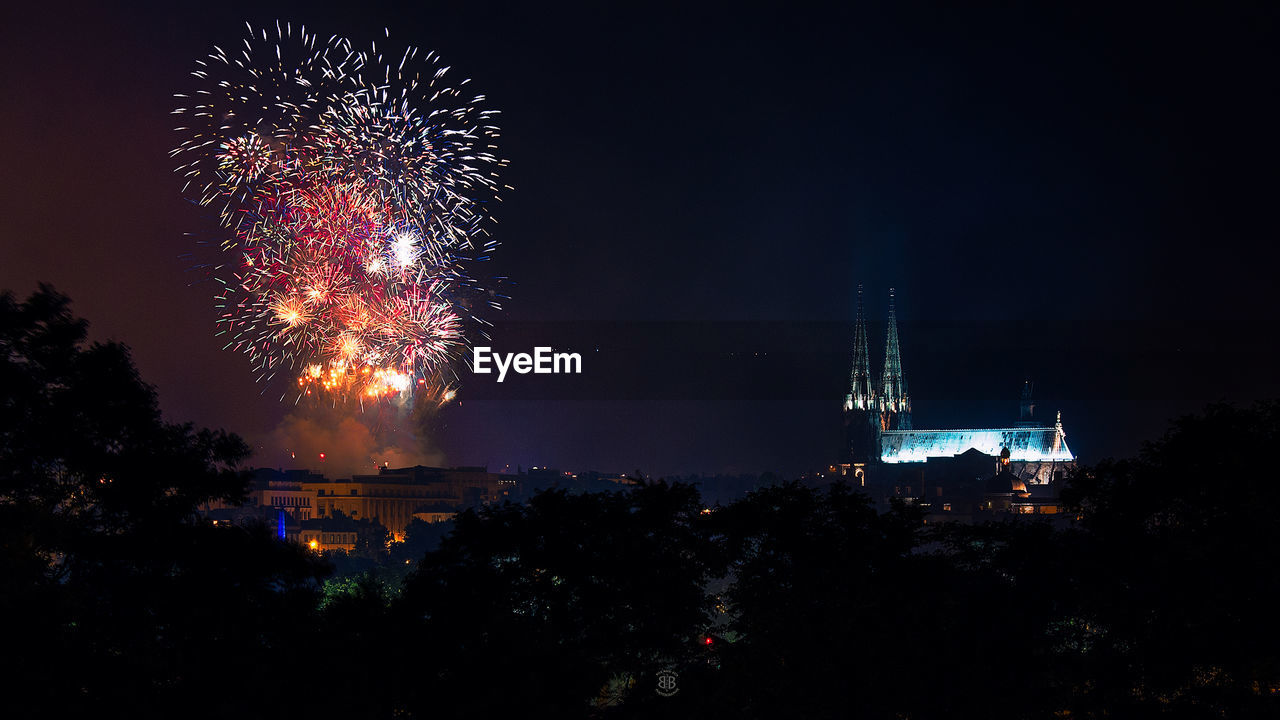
point(817, 579)
point(115, 589)
point(1177, 570)
point(557, 598)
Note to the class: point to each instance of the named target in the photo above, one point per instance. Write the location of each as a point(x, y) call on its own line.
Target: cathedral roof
point(1037, 444)
point(1006, 483)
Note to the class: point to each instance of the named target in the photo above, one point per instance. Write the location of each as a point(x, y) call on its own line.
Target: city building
point(963, 470)
point(325, 534)
point(294, 500)
point(394, 495)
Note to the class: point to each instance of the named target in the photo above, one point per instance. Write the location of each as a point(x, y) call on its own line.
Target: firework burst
point(355, 190)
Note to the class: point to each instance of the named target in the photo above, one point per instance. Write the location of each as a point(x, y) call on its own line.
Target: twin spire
point(889, 398)
point(861, 396)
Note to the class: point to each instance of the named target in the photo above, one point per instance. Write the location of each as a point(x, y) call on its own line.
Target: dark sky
point(1079, 195)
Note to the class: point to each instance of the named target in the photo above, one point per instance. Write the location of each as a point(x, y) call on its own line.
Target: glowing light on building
point(1024, 444)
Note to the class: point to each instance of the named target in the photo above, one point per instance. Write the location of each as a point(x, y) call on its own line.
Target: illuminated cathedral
point(879, 430)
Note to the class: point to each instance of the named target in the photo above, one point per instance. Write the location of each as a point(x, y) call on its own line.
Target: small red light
point(321, 456)
point(706, 641)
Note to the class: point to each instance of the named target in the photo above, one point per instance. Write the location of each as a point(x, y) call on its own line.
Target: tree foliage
point(114, 589)
point(555, 598)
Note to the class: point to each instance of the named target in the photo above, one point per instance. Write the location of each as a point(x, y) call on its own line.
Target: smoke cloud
point(339, 442)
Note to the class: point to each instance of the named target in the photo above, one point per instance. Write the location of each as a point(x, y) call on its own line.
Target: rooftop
point(1035, 444)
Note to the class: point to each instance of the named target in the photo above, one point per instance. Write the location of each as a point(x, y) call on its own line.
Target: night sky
point(1067, 194)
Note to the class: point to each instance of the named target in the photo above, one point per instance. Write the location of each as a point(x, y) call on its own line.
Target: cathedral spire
point(895, 404)
point(860, 396)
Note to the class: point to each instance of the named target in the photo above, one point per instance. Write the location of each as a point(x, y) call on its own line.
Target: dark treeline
point(1159, 601)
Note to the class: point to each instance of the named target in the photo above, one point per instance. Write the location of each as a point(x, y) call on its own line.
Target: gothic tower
point(861, 396)
point(894, 402)
point(861, 417)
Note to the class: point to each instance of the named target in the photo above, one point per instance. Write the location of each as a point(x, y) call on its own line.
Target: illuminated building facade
point(284, 494)
point(879, 431)
point(395, 495)
point(303, 502)
point(325, 535)
point(1035, 445)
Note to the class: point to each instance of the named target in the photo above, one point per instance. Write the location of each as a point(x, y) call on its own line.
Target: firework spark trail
point(355, 190)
